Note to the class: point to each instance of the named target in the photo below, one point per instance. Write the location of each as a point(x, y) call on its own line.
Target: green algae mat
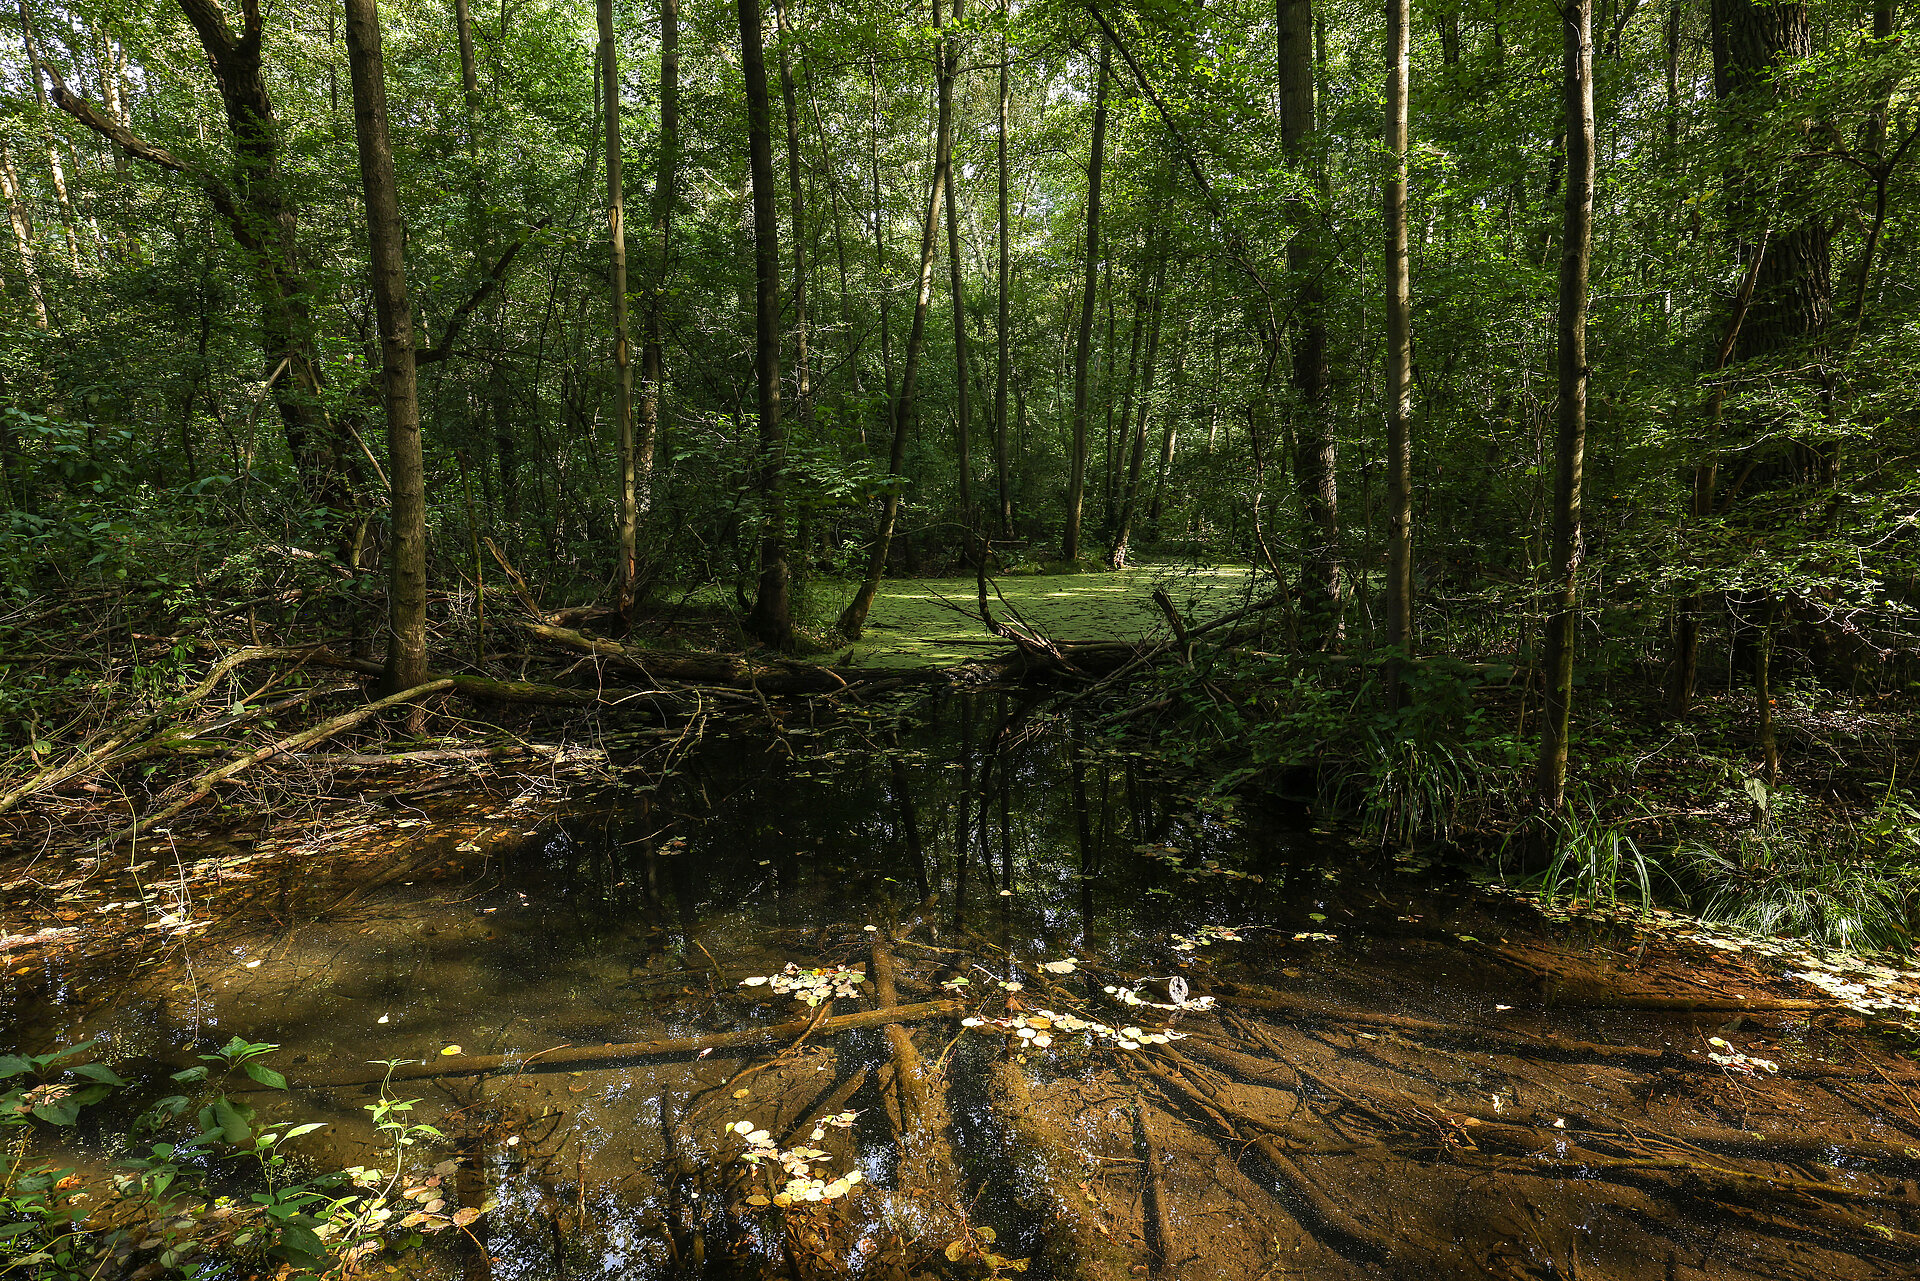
point(920, 621)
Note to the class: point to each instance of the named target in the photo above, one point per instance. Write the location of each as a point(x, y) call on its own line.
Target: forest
point(1477, 442)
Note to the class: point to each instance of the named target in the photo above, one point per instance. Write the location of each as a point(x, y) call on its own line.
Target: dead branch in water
point(576, 1057)
point(205, 783)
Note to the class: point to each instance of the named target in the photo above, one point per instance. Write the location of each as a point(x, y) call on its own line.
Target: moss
point(921, 621)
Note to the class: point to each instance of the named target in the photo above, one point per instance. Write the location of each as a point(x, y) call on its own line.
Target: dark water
point(1004, 829)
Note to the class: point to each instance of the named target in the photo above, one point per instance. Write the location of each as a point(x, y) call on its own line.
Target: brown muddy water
point(1379, 1069)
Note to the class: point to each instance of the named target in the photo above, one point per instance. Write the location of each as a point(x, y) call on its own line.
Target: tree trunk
point(30, 48)
point(963, 407)
point(407, 549)
point(1576, 248)
point(853, 619)
point(1077, 475)
point(1001, 326)
point(1399, 586)
point(22, 235)
point(1169, 439)
point(666, 196)
point(1136, 456)
point(771, 619)
point(1315, 453)
point(803, 387)
point(627, 571)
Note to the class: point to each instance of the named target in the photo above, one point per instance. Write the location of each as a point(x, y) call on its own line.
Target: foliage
point(228, 1190)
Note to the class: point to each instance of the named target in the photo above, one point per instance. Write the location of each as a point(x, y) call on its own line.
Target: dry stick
point(614, 1055)
point(1092, 1254)
point(292, 743)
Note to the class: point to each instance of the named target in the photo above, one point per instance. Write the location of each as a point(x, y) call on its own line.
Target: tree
point(627, 570)
point(962, 364)
point(1083, 347)
point(666, 196)
point(1576, 252)
point(1316, 458)
point(1399, 308)
point(265, 222)
point(771, 619)
point(406, 664)
point(1004, 301)
point(853, 619)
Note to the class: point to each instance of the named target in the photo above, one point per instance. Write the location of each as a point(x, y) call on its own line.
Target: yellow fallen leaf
point(742, 1092)
point(451, 1049)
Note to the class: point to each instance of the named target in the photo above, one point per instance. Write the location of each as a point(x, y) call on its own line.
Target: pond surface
point(1182, 1037)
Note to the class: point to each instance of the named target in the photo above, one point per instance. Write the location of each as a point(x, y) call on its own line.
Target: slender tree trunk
point(30, 48)
point(406, 664)
point(1576, 248)
point(666, 196)
point(880, 245)
point(22, 235)
point(469, 77)
point(963, 409)
point(1002, 325)
point(1399, 309)
point(771, 619)
point(1169, 439)
point(803, 387)
point(1136, 454)
point(853, 619)
point(1316, 457)
point(1077, 473)
point(627, 572)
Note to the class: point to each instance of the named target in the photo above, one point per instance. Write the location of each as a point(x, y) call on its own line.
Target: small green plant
point(41, 1205)
point(1594, 859)
point(228, 1194)
point(1774, 882)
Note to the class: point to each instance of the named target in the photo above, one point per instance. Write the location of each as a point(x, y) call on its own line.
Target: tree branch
point(215, 191)
point(444, 347)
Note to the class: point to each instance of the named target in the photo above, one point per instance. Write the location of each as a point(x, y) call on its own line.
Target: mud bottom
point(958, 995)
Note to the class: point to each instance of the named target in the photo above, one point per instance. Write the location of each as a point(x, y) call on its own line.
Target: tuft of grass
point(1595, 861)
point(1772, 883)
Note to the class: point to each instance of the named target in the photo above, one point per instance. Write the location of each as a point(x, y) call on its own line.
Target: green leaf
point(99, 1072)
point(302, 1241)
point(233, 1126)
point(13, 1065)
point(308, 1128)
point(65, 1112)
point(265, 1075)
point(190, 1075)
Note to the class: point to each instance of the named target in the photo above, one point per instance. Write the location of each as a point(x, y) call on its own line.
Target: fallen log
point(574, 1058)
point(777, 676)
point(916, 1103)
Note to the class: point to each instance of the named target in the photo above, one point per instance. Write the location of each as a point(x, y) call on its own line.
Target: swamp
point(950, 639)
